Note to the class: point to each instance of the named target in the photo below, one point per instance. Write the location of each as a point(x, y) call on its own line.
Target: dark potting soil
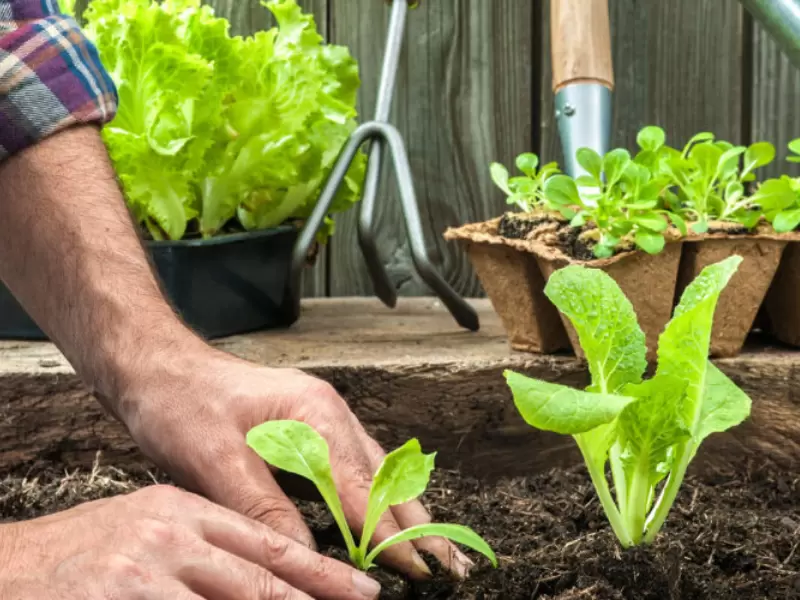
point(727, 227)
point(549, 229)
point(735, 537)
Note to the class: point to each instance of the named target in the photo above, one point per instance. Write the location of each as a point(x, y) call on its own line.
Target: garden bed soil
point(738, 305)
point(734, 536)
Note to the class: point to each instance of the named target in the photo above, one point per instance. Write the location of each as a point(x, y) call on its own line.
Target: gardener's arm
point(70, 254)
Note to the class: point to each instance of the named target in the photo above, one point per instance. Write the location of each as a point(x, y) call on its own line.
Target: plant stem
point(667, 498)
point(618, 475)
point(598, 477)
point(638, 495)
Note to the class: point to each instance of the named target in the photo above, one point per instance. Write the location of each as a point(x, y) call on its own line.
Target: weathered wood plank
point(677, 64)
point(463, 99)
point(775, 98)
point(409, 372)
point(246, 17)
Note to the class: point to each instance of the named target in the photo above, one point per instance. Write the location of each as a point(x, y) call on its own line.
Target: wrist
point(166, 371)
point(130, 362)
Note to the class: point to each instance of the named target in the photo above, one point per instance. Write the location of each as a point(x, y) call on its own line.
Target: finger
point(297, 565)
point(352, 472)
point(414, 513)
point(244, 484)
point(217, 575)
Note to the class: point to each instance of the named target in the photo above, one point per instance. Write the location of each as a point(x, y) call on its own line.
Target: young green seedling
point(526, 192)
point(625, 205)
point(710, 176)
point(297, 448)
point(647, 430)
point(779, 199)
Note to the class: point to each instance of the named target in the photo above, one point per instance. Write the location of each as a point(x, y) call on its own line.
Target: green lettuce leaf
point(606, 324)
point(214, 128)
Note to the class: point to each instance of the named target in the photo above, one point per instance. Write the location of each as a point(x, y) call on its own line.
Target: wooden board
point(775, 100)
point(407, 372)
point(677, 64)
point(246, 17)
point(464, 98)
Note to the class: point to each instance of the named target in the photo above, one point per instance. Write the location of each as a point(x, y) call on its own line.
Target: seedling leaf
point(606, 324)
point(458, 533)
point(562, 409)
point(295, 447)
point(403, 476)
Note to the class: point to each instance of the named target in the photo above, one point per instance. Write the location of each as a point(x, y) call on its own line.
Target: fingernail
point(366, 585)
point(462, 565)
point(419, 567)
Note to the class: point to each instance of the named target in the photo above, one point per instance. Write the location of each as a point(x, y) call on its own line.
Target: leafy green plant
point(709, 178)
point(526, 191)
point(297, 448)
point(215, 130)
point(779, 198)
point(648, 431)
point(620, 196)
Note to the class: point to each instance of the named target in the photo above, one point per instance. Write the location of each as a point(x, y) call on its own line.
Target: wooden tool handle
point(580, 43)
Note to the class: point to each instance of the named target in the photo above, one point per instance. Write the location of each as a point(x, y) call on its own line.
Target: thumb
point(245, 484)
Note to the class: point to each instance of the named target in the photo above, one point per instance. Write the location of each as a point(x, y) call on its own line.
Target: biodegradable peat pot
point(515, 287)
point(647, 280)
point(514, 271)
point(739, 302)
point(782, 305)
point(221, 286)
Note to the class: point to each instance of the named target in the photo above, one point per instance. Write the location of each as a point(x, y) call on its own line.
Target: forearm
point(71, 255)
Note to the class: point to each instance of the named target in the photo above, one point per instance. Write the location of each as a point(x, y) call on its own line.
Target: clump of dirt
point(734, 537)
point(728, 228)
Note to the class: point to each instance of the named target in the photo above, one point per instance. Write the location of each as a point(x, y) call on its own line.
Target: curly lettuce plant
point(647, 430)
point(297, 448)
point(215, 129)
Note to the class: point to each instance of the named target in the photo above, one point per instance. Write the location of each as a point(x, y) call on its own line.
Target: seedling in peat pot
point(297, 448)
point(779, 198)
point(647, 430)
point(526, 192)
point(710, 176)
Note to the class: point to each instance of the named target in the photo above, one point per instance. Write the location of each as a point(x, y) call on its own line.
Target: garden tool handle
point(583, 77)
point(580, 37)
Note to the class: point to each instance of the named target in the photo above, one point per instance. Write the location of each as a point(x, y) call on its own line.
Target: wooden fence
point(474, 86)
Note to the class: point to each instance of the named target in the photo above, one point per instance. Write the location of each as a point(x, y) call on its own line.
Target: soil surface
point(732, 538)
point(552, 230)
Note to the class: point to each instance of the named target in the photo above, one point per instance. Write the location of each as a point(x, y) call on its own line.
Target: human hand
point(163, 543)
point(193, 421)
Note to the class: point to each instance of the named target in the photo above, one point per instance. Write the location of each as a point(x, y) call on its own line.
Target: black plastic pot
point(220, 286)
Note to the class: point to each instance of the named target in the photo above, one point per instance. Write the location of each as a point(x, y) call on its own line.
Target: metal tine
point(384, 288)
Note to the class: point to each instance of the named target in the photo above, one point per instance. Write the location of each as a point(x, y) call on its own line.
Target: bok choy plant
point(297, 448)
point(647, 430)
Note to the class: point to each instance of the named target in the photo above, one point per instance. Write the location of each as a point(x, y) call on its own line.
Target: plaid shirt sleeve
point(50, 75)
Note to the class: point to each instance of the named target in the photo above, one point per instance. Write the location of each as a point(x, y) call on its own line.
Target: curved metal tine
point(462, 312)
point(384, 288)
point(317, 217)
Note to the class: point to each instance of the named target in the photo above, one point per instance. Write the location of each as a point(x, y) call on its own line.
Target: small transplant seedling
point(647, 430)
point(527, 191)
point(297, 448)
point(779, 198)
